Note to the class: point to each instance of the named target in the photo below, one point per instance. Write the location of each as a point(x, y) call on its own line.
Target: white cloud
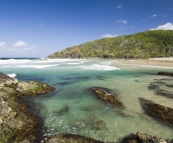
point(154, 15)
point(109, 36)
point(133, 26)
point(170, 8)
point(2, 44)
point(122, 21)
point(167, 26)
point(20, 44)
point(31, 47)
point(119, 6)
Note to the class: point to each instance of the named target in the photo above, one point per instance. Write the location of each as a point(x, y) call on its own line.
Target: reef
point(16, 124)
point(163, 113)
point(165, 73)
point(105, 95)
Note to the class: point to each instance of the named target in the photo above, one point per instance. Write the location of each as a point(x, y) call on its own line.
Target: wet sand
point(165, 62)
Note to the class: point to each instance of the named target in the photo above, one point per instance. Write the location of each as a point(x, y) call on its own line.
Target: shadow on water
point(34, 109)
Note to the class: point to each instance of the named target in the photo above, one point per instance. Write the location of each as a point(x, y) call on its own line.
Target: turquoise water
point(75, 109)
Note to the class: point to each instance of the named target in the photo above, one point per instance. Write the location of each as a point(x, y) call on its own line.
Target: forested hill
point(156, 43)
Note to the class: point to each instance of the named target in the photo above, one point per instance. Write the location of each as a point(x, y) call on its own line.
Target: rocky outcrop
point(71, 138)
point(160, 112)
point(105, 95)
point(165, 73)
point(143, 138)
point(6, 80)
point(15, 122)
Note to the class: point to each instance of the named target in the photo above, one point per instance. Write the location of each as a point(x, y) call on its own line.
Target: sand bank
point(165, 62)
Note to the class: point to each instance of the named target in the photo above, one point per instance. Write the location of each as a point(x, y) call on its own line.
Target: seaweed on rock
point(163, 113)
point(105, 95)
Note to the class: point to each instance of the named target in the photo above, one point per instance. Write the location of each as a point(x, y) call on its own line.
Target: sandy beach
point(168, 62)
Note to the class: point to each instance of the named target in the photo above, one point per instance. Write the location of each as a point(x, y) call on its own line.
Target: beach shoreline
point(163, 62)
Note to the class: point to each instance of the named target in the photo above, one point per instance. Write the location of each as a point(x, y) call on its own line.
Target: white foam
point(74, 63)
point(12, 75)
point(14, 61)
point(99, 67)
point(34, 66)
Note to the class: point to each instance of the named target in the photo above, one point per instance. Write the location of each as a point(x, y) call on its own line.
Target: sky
point(38, 28)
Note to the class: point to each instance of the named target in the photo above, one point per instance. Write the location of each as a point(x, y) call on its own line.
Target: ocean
point(73, 108)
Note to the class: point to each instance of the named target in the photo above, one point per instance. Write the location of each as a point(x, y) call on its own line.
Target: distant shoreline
point(168, 62)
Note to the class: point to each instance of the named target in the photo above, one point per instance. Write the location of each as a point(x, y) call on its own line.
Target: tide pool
point(75, 109)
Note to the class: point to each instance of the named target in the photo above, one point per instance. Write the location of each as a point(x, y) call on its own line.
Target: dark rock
point(165, 73)
point(153, 86)
point(164, 93)
point(76, 78)
point(157, 111)
point(169, 85)
point(105, 95)
point(64, 83)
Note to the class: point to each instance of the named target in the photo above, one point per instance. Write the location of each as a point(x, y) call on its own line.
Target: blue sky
point(37, 28)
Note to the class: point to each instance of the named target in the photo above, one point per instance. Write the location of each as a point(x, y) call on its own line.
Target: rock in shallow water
point(62, 111)
point(99, 125)
point(165, 73)
point(106, 96)
point(160, 112)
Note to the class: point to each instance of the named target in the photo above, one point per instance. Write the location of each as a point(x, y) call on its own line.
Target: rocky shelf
point(17, 125)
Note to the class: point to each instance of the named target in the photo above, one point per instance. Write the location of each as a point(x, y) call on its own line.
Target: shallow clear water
point(75, 109)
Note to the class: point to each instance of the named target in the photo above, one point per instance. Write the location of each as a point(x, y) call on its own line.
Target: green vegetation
point(157, 43)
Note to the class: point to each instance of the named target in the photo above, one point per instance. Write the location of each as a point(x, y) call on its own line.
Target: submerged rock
point(72, 138)
point(156, 87)
point(106, 96)
point(62, 111)
point(165, 73)
point(164, 93)
point(99, 125)
point(158, 111)
point(79, 123)
point(143, 138)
